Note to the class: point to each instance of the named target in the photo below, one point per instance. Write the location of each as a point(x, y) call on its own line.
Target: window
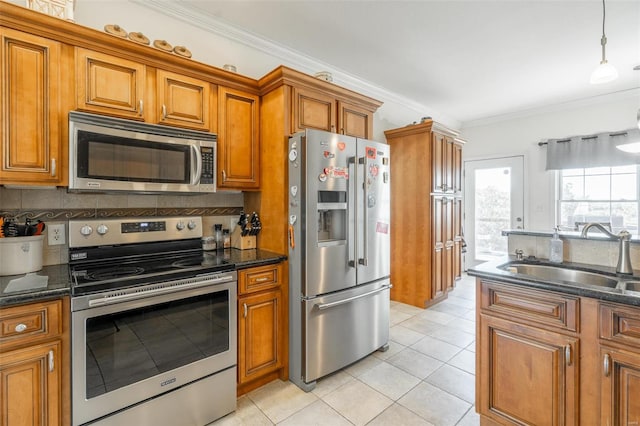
point(608, 195)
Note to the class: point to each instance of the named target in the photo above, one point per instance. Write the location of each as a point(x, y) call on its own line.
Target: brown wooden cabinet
point(33, 148)
point(316, 109)
point(261, 326)
point(620, 387)
point(34, 371)
point(426, 213)
point(238, 140)
point(528, 356)
point(125, 88)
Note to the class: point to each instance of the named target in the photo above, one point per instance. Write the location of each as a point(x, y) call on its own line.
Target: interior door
point(494, 201)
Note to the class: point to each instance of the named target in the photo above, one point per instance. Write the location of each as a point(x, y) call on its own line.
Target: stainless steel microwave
point(110, 154)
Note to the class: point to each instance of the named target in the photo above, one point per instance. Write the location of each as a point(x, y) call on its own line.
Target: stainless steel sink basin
point(559, 273)
point(632, 285)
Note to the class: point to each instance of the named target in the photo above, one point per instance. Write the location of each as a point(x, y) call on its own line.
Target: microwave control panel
point(208, 165)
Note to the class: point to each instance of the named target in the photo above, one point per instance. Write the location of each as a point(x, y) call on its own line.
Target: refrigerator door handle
point(351, 250)
point(323, 306)
point(364, 259)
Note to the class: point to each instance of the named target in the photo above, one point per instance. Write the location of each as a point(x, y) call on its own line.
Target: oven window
point(116, 158)
point(124, 348)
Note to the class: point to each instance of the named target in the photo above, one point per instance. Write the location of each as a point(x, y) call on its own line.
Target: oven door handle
point(119, 297)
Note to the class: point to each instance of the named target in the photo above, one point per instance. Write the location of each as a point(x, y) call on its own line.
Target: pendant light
point(605, 71)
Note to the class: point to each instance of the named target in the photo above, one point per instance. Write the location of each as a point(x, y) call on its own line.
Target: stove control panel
point(98, 232)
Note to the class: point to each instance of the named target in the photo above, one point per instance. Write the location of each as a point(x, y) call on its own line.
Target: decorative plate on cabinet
point(182, 51)
point(139, 38)
point(162, 45)
point(116, 30)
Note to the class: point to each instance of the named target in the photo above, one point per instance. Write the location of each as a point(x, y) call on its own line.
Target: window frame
point(559, 200)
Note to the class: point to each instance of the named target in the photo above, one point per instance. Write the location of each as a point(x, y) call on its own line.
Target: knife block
point(240, 242)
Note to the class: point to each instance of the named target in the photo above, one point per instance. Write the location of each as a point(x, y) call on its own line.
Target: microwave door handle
point(196, 163)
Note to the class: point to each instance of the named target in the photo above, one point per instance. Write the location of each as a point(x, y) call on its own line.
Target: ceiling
point(471, 60)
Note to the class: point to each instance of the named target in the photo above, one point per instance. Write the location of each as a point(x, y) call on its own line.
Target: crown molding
point(290, 57)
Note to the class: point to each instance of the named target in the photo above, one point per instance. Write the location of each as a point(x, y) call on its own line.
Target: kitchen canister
point(20, 255)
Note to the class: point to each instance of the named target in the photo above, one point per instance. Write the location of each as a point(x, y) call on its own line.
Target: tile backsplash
point(56, 205)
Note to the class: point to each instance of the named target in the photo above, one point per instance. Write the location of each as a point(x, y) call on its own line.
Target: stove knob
point(86, 230)
point(102, 229)
point(180, 225)
point(192, 224)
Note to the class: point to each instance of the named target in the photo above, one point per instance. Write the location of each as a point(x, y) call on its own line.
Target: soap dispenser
point(555, 247)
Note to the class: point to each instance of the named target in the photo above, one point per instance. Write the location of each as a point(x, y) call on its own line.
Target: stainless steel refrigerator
point(339, 261)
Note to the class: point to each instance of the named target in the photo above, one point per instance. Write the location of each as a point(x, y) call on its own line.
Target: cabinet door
point(259, 339)
point(456, 170)
point(30, 386)
point(238, 140)
point(313, 110)
point(354, 121)
point(457, 238)
point(449, 246)
point(183, 101)
point(110, 85)
point(447, 164)
point(438, 284)
point(31, 149)
point(620, 387)
point(527, 375)
point(438, 143)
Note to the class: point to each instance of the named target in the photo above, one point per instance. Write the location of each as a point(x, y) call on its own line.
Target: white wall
point(520, 135)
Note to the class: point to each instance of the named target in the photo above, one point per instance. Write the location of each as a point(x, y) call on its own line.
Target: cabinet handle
point(51, 365)
point(342, 131)
point(20, 328)
point(164, 111)
point(607, 365)
point(141, 108)
point(262, 279)
point(245, 309)
point(224, 176)
point(54, 167)
point(567, 354)
point(333, 128)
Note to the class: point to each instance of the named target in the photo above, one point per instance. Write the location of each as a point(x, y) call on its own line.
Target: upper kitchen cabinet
point(238, 140)
point(124, 88)
point(446, 160)
point(292, 101)
point(183, 101)
point(110, 85)
point(318, 109)
point(33, 148)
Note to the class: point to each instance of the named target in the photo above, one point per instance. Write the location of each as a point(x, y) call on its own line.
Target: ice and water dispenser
point(332, 217)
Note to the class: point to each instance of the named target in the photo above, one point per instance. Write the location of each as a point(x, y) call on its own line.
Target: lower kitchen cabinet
point(30, 383)
point(34, 368)
point(620, 387)
point(262, 326)
point(527, 375)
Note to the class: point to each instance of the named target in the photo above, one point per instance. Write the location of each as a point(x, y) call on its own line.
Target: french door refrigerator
point(339, 261)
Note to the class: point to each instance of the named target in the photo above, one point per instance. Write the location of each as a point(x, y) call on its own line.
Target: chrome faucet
point(624, 258)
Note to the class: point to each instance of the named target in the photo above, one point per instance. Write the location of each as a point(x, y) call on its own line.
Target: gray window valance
point(598, 150)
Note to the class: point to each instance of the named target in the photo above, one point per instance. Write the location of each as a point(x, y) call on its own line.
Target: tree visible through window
point(608, 195)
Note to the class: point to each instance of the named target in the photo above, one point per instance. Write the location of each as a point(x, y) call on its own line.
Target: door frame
point(525, 194)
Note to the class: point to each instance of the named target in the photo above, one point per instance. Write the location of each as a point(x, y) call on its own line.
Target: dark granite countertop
point(53, 281)
point(48, 283)
point(491, 270)
point(574, 235)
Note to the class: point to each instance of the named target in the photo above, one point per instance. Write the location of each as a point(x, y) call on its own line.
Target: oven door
point(130, 351)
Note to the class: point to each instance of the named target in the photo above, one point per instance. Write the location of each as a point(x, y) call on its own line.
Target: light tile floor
point(425, 378)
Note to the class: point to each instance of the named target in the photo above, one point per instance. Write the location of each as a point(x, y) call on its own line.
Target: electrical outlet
point(56, 233)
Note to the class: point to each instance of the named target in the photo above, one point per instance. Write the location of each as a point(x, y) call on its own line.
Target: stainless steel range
point(153, 324)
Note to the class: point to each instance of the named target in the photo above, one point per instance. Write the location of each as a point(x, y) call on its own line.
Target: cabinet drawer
point(260, 278)
point(28, 323)
point(528, 305)
point(620, 324)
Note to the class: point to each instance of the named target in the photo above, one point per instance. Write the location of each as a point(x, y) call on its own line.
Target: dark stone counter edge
point(490, 271)
point(60, 287)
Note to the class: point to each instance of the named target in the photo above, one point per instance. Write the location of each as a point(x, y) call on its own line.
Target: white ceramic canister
point(20, 255)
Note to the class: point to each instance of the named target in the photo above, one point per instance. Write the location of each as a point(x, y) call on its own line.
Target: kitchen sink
point(559, 273)
point(632, 285)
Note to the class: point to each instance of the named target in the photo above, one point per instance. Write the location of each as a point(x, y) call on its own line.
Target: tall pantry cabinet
point(426, 212)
